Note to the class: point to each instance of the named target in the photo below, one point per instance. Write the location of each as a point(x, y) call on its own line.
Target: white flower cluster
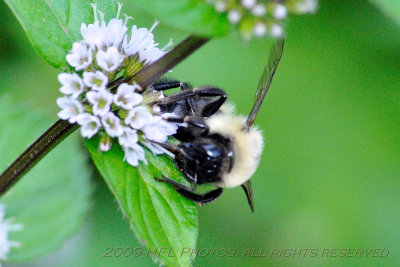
point(106, 52)
point(5, 227)
point(262, 17)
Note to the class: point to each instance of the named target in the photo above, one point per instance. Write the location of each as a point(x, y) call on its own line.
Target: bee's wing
point(265, 81)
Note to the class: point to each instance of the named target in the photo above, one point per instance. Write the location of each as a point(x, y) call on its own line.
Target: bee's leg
point(202, 199)
point(170, 84)
point(178, 96)
point(192, 121)
point(185, 86)
point(175, 119)
point(197, 125)
point(212, 107)
point(187, 191)
point(176, 184)
point(168, 104)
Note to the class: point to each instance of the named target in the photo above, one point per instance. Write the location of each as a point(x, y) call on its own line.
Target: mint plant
point(107, 68)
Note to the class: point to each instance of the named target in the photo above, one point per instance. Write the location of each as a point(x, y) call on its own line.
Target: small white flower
point(134, 154)
point(5, 227)
point(168, 115)
point(104, 147)
point(156, 108)
point(136, 87)
point(234, 16)
point(101, 101)
point(95, 35)
point(140, 39)
point(220, 6)
point(138, 117)
point(90, 124)
point(260, 29)
point(276, 30)
point(116, 29)
point(96, 80)
point(126, 97)
point(168, 127)
point(158, 129)
point(248, 4)
point(112, 125)
point(106, 45)
point(280, 11)
point(80, 56)
point(173, 126)
point(129, 138)
point(141, 43)
point(105, 143)
point(259, 10)
point(70, 109)
point(109, 60)
point(150, 54)
point(71, 84)
point(306, 6)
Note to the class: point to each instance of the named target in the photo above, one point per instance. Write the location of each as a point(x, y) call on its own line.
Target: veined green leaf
point(53, 25)
point(50, 201)
point(160, 217)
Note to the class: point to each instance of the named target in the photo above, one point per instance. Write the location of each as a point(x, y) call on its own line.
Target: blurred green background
point(330, 173)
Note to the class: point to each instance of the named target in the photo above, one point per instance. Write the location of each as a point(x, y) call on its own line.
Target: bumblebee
point(216, 146)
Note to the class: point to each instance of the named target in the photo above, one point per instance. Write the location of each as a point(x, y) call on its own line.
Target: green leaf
point(193, 16)
point(53, 25)
point(160, 217)
point(49, 201)
point(390, 7)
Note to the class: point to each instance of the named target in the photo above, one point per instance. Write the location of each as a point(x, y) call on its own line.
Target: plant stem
point(153, 72)
point(62, 129)
point(35, 152)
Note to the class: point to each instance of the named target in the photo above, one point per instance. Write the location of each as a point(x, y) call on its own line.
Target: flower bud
point(105, 143)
